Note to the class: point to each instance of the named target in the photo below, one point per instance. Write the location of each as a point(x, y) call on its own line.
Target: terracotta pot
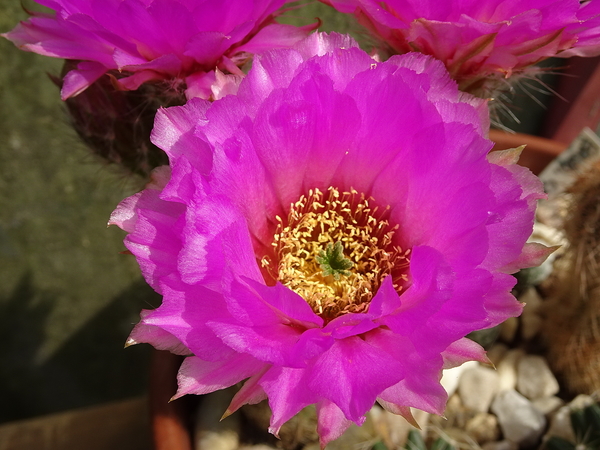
point(171, 420)
point(538, 151)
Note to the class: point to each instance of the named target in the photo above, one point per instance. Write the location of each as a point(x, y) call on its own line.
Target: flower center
point(335, 250)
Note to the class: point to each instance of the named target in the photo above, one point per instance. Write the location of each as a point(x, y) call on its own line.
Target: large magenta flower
point(483, 42)
point(180, 41)
point(331, 234)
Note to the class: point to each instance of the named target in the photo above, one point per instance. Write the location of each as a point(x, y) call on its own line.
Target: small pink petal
point(199, 85)
point(250, 393)
point(462, 351)
point(276, 36)
point(352, 373)
point(134, 81)
point(285, 399)
point(533, 255)
point(155, 336)
point(77, 81)
point(225, 84)
point(331, 422)
point(124, 216)
point(403, 411)
point(201, 377)
point(506, 157)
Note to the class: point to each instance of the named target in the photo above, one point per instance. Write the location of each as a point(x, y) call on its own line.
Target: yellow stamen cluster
point(319, 222)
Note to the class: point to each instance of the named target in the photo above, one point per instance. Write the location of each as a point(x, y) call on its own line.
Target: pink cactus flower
point(330, 234)
point(184, 42)
point(482, 42)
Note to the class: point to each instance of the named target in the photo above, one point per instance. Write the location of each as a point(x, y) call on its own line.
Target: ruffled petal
point(76, 81)
point(250, 393)
point(285, 399)
point(462, 351)
point(155, 336)
point(202, 377)
point(331, 422)
point(157, 40)
point(398, 133)
point(351, 374)
point(276, 36)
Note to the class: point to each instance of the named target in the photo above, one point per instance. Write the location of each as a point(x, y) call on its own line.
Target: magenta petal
point(276, 36)
point(289, 304)
point(268, 333)
point(460, 313)
point(500, 304)
point(262, 330)
point(422, 392)
point(174, 131)
point(482, 43)
point(313, 342)
point(432, 282)
point(349, 325)
point(533, 255)
point(331, 422)
point(462, 351)
point(313, 138)
point(157, 337)
point(211, 236)
point(250, 393)
point(134, 81)
point(154, 239)
point(285, 399)
point(124, 215)
point(268, 343)
point(416, 388)
point(351, 374)
point(78, 80)
point(514, 203)
point(207, 46)
point(201, 377)
point(154, 40)
point(320, 44)
point(180, 309)
point(385, 301)
point(216, 224)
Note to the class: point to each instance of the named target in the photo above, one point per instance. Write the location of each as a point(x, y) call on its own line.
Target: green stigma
point(333, 262)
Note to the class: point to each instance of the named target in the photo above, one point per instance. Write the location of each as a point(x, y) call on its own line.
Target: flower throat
point(334, 250)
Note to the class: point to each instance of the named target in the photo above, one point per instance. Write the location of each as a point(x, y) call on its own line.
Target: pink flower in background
point(482, 42)
point(330, 234)
point(181, 41)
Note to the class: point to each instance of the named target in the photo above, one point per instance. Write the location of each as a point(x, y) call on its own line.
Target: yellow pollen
point(347, 230)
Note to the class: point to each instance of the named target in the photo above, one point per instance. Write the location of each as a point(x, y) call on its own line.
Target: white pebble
point(519, 420)
point(548, 405)
point(581, 401)
point(507, 369)
point(209, 431)
point(560, 425)
point(534, 378)
point(222, 440)
point(451, 377)
point(477, 387)
point(483, 428)
point(500, 445)
point(257, 447)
